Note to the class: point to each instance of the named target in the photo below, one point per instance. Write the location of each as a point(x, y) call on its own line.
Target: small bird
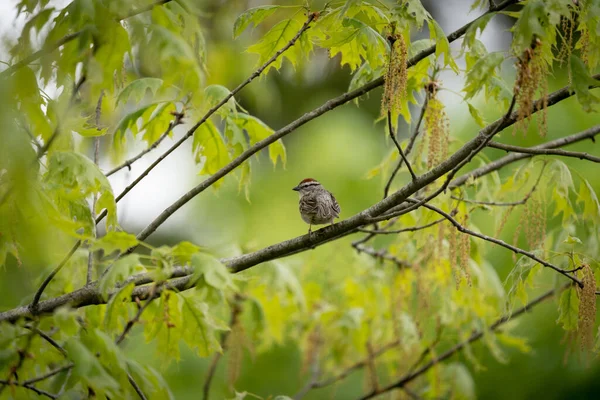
point(317, 204)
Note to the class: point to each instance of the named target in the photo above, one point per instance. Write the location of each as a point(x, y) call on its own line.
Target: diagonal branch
point(393, 136)
point(127, 164)
point(458, 347)
point(210, 112)
point(502, 243)
point(68, 38)
point(182, 276)
point(409, 147)
point(328, 106)
point(536, 151)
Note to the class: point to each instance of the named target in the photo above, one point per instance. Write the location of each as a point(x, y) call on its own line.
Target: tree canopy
point(463, 210)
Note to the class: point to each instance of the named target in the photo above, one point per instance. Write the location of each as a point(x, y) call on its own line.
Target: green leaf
point(209, 149)
point(529, 25)
point(137, 90)
point(88, 370)
point(442, 44)
point(587, 196)
point(276, 38)
point(211, 271)
point(582, 81)
point(356, 42)
point(117, 311)
point(114, 241)
point(568, 310)
point(120, 270)
point(184, 251)
point(572, 240)
point(480, 74)
point(215, 94)
point(478, 25)
point(202, 330)
point(253, 16)
point(476, 115)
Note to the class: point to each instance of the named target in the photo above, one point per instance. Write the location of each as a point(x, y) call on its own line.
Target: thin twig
point(382, 255)
point(458, 347)
point(506, 204)
point(90, 266)
point(136, 387)
point(393, 136)
point(409, 147)
point(537, 151)
point(47, 338)
point(502, 243)
point(411, 229)
point(135, 319)
point(127, 164)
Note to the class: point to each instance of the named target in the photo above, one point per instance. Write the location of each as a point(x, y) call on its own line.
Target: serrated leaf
point(253, 16)
point(276, 38)
point(582, 81)
point(478, 25)
point(442, 44)
point(481, 72)
point(209, 149)
point(121, 269)
point(568, 310)
point(591, 206)
point(211, 271)
point(215, 94)
point(476, 115)
point(115, 241)
point(137, 90)
point(184, 251)
point(356, 42)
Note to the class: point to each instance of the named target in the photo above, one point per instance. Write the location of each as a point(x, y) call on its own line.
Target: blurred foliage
point(111, 74)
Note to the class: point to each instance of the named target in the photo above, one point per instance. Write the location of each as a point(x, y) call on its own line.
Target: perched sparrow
point(317, 204)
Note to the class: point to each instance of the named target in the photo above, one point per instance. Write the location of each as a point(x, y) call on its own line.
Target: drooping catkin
point(587, 309)
point(531, 79)
point(394, 87)
point(535, 221)
point(452, 244)
point(437, 128)
point(235, 347)
point(465, 250)
point(504, 220)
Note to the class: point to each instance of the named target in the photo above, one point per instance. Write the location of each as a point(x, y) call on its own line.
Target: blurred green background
point(338, 149)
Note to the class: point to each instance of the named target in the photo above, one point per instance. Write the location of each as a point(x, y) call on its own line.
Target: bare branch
point(127, 164)
point(381, 255)
point(409, 147)
point(502, 243)
point(393, 136)
point(458, 347)
point(136, 387)
point(537, 151)
point(411, 229)
point(135, 319)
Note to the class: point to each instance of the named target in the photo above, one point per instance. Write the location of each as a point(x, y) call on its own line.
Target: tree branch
point(502, 243)
point(501, 162)
point(411, 229)
point(127, 163)
point(381, 255)
point(536, 151)
point(328, 106)
point(458, 347)
point(90, 295)
point(393, 136)
point(409, 147)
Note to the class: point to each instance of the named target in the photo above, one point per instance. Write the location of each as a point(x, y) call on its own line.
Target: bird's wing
point(334, 205)
point(308, 205)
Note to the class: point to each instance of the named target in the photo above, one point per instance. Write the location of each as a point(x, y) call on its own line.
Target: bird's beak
point(296, 188)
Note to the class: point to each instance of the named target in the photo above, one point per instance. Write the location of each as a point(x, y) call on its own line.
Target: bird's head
point(307, 185)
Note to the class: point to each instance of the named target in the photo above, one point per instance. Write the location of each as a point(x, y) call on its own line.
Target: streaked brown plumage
point(317, 205)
